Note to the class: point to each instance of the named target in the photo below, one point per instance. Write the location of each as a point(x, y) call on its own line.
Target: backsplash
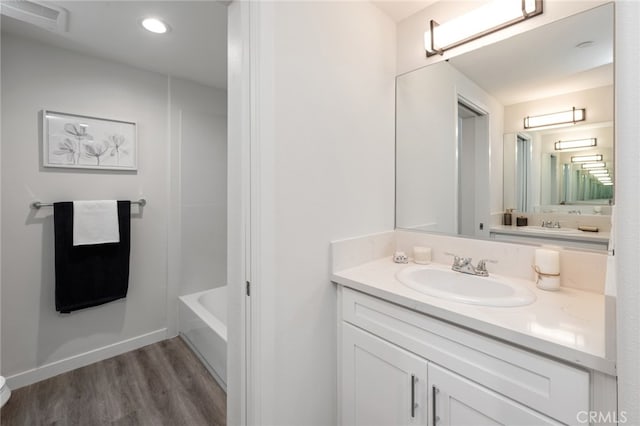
point(581, 270)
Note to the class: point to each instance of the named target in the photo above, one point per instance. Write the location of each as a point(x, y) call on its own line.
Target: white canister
point(422, 255)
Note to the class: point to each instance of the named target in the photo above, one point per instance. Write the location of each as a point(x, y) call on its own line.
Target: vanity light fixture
point(596, 165)
point(154, 25)
point(586, 158)
point(492, 17)
point(577, 143)
point(555, 119)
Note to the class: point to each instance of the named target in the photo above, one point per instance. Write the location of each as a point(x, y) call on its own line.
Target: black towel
point(89, 275)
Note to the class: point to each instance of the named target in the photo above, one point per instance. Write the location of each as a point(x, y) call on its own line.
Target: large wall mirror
point(463, 154)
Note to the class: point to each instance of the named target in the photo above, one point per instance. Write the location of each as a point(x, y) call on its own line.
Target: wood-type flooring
point(160, 384)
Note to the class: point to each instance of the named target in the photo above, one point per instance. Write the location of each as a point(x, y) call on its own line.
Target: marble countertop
point(567, 324)
point(562, 233)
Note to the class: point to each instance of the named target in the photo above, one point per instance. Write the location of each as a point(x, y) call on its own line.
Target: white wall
point(627, 226)
point(598, 102)
point(427, 152)
point(36, 76)
point(200, 121)
point(197, 183)
point(426, 146)
point(238, 159)
point(0, 213)
point(467, 176)
point(324, 170)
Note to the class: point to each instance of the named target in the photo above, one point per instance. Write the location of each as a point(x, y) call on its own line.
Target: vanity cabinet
point(458, 401)
point(381, 382)
point(399, 366)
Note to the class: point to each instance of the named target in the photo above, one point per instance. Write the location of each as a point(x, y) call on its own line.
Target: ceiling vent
point(41, 14)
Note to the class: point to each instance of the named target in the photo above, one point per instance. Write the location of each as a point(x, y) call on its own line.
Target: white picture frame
point(83, 142)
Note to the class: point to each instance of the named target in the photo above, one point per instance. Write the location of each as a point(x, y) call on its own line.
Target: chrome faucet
point(464, 265)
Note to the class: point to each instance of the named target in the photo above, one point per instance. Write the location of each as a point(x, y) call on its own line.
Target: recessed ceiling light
point(155, 25)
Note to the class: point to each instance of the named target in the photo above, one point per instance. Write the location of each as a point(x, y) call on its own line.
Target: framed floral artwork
point(83, 142)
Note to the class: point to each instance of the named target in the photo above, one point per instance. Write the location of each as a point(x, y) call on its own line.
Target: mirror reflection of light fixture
point(577, 143)
point(596, 165)
point(555, 119)
point(601, 172)
point(492, 17)
point(604, 179)
point(586, 158)
point(607, 183)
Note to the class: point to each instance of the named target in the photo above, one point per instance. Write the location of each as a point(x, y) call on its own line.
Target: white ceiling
point(195, 48)
point(545, 61)
point(401, 9)
point(536, 64)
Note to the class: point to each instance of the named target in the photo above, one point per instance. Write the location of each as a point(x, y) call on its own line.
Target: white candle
point(547, 266)
point(422, 255)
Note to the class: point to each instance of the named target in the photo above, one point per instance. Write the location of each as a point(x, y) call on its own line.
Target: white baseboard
point(62, 366)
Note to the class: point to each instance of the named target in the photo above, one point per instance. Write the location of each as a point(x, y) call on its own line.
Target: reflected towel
point(95, 222)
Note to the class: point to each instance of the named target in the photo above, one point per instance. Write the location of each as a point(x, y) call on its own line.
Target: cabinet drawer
point(551, 387)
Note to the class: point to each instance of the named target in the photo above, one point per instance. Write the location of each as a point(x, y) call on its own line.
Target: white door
point(382, 384)
point(457, 401)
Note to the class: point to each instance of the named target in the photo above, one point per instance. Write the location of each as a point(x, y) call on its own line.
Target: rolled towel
point(95, 222)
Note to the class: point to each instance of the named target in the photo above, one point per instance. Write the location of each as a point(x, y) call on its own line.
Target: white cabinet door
point(457, 401)
point(382, 384)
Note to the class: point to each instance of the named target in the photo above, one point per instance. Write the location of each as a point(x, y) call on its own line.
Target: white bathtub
point(202, 321)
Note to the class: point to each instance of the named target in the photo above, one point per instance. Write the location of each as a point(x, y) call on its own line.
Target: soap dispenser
point(507, 217)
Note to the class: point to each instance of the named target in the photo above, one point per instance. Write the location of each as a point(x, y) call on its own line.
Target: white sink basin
point(444, 283)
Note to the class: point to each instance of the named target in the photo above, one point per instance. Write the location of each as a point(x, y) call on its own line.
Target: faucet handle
point(457, 260)
point(482, 264)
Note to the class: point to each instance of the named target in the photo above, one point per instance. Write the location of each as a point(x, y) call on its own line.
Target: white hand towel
point(95, 222)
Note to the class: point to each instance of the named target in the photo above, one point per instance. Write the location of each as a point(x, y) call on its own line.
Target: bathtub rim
point(191, 300)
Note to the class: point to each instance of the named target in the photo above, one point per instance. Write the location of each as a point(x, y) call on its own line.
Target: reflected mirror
point(463, 154)
point(542, 177)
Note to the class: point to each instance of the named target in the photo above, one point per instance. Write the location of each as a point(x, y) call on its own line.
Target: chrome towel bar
point(37, 204)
